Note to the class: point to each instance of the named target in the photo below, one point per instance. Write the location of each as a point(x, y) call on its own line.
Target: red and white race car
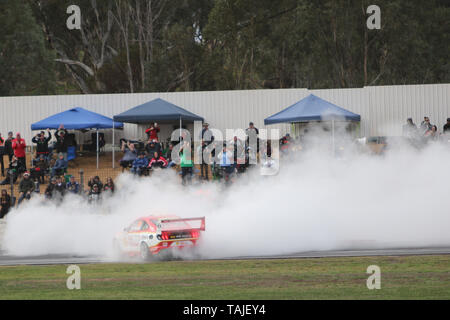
point(149, 236)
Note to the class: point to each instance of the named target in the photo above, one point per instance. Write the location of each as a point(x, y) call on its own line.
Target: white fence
point(383, 110)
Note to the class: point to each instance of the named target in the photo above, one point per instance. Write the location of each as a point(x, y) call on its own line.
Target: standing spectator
point(207, 138)
point(109, 185)
point(42, 144)
point(60, 166)
point(152, 131)
point(129, 156)
point(157, 161)
point(409, 129)
point(5, 203)
point(95, 181)
point(26, 187)
point(73, 186)
point(446, 129)
point(19, 145)
point(61, 141)
point(186, 164)
point(2, 153)
point(425, 125)
point(252, 138)
point(139, 164)
point(8, 146)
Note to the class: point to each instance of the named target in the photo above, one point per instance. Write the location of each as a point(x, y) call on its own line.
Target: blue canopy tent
point(313, 108)
point(157, 110)
point(78, 119)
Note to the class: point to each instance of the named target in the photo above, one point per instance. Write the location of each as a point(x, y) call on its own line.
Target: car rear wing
point(187, 224)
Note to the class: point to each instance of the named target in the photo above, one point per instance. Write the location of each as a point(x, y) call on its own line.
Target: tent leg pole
point(97, 149)
point(113, 158)
point(333, 142)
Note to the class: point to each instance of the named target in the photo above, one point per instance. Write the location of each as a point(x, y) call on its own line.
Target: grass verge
point(403, 277)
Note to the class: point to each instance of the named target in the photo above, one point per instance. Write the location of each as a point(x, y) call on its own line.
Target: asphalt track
point(8, 260)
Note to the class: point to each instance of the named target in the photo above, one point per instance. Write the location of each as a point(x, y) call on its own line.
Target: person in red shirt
point(152, 132)
point(19, 145)
point(158, 160)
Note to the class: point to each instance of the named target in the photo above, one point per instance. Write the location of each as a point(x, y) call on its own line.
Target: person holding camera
point(42, 144)
point(152, 131)
point(61, 141)
point(130, 154)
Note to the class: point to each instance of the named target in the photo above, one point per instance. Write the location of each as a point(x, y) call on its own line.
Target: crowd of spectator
point(426, 131)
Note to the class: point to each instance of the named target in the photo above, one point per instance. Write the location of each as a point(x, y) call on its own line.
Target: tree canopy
point(189, 45)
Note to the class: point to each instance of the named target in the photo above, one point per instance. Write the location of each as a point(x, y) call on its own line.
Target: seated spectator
point(73, 186)
point(425, 125)
point(140, 164)
point(95, 181)
point(152, 147)
point(39, 169)
point(15, 169)
point(226, 163)
point(432, 134)
point(446, 129)
point(168, 156)
point(94, 194)
point(157, 161)
point(60, 188)
point(50, 188)
point(26, 187)
point(60, 166)
point(5, 203)
point(109, 186)
point(129, 156)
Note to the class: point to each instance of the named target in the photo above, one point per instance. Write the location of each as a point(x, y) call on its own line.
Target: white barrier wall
point(383, 110)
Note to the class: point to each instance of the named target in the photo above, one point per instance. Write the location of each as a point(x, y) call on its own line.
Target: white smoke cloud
point(316, 202)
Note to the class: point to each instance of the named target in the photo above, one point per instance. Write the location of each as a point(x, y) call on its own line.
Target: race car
point(149, 236)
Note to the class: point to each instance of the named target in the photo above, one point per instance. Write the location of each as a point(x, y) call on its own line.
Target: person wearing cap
point(26, 187)
point(19, 145)
point(95, 181)
point(446, 129)
point(73, 186)
point(60, 166)
point(140, 164)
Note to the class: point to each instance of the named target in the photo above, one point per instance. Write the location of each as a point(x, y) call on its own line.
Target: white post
point(333, 142)
point(97, 148)
point(113, 154)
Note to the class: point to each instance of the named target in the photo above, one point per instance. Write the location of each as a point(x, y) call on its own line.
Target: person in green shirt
point(186, 164)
